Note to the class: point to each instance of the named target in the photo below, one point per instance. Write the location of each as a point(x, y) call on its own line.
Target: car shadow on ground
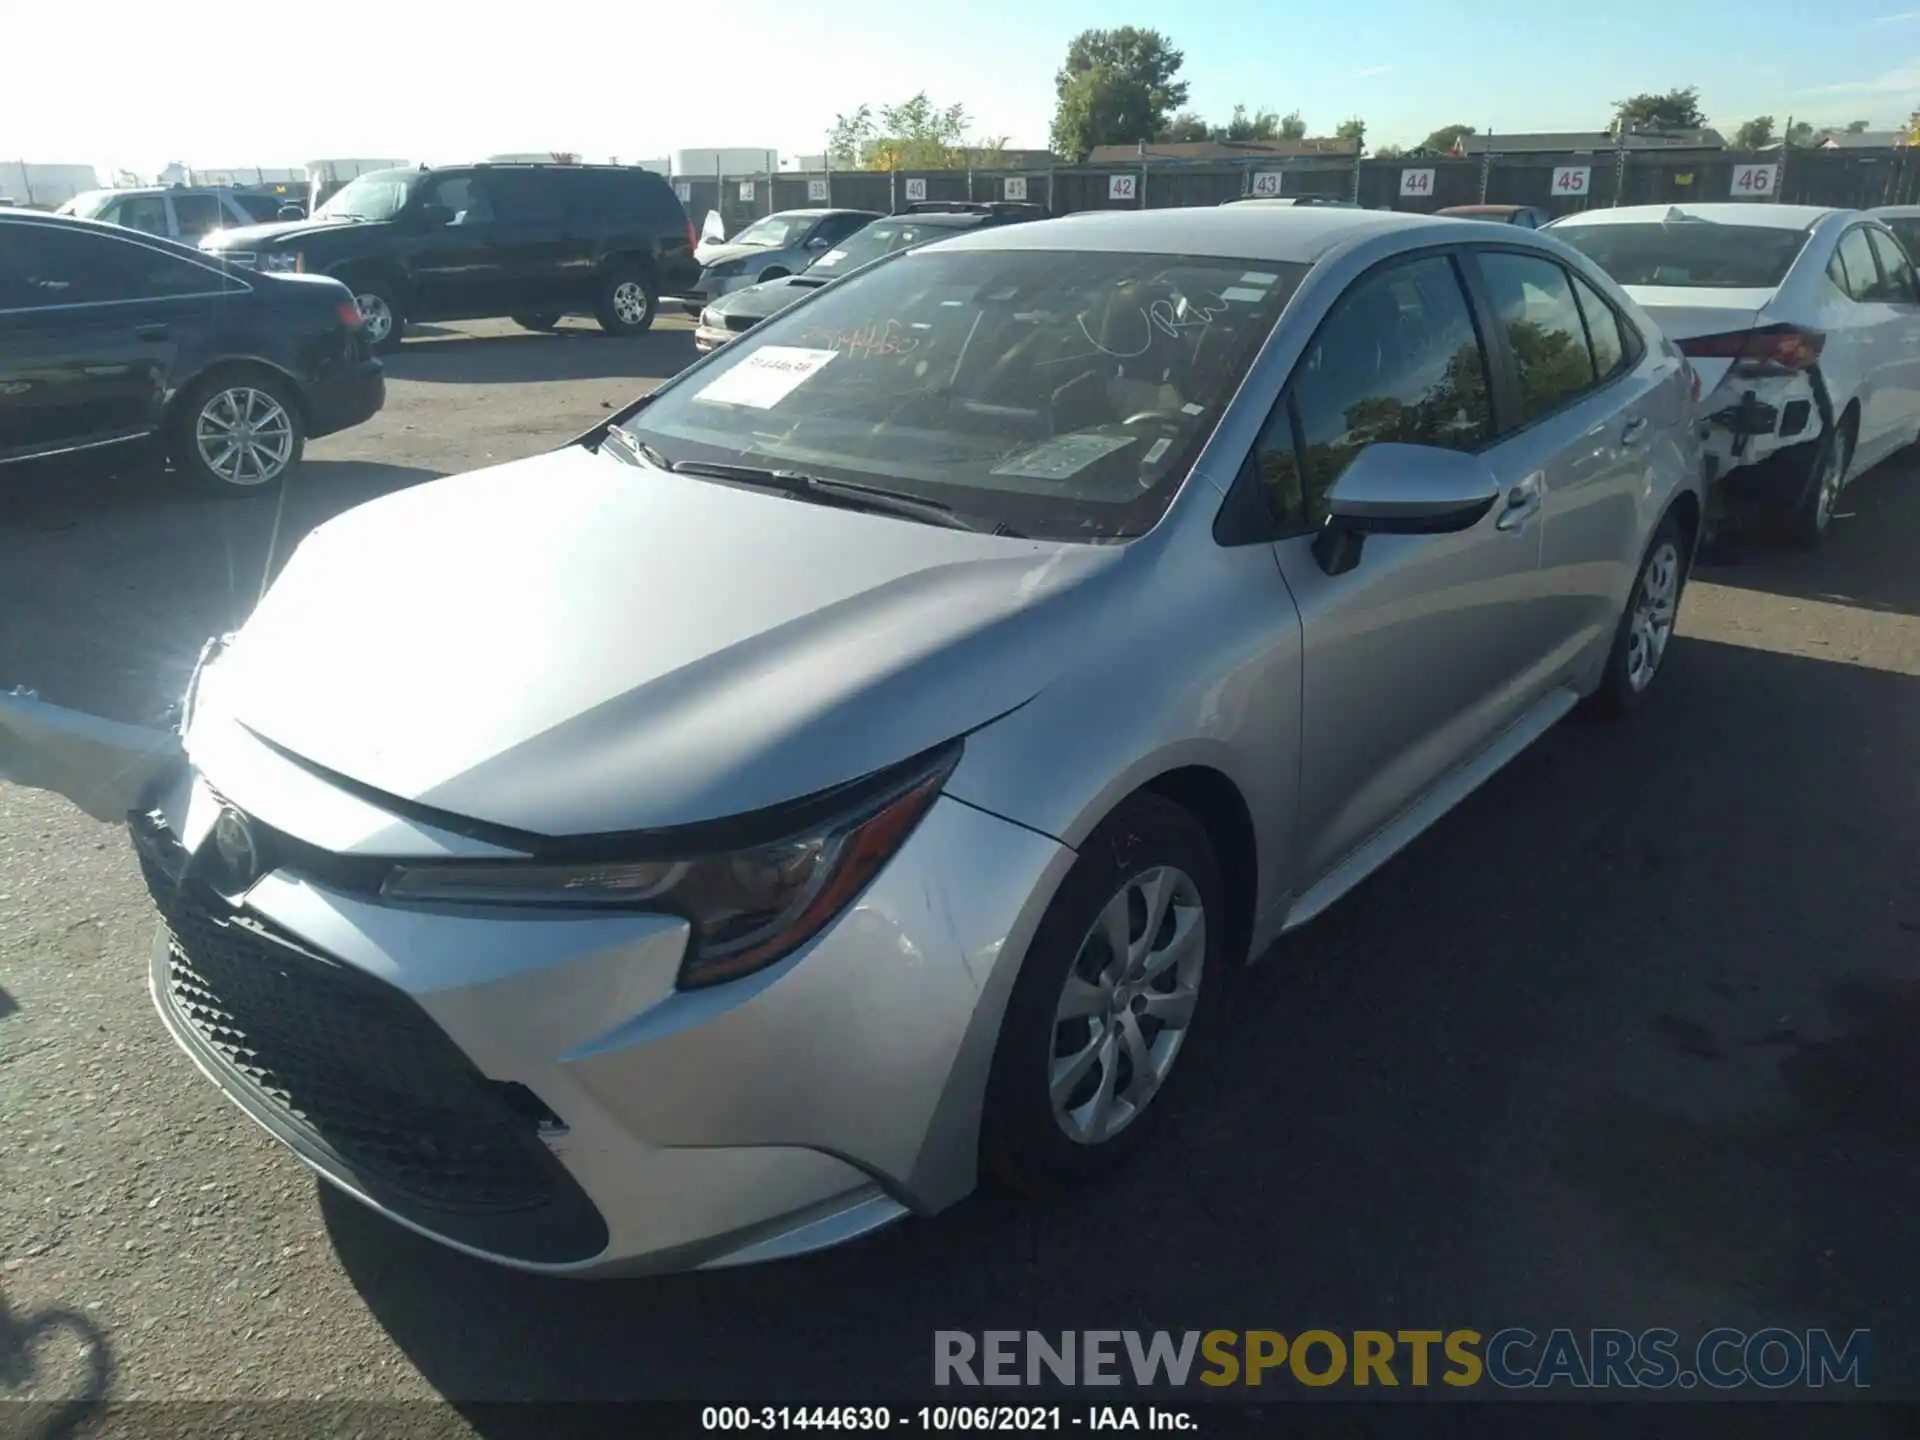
point(576, 351)
point(1866, 559)
point(183, 566)
point(37, 1357)
point(1621, 1042)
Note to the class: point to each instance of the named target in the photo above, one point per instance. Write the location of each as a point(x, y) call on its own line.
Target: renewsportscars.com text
point(1512, 1358)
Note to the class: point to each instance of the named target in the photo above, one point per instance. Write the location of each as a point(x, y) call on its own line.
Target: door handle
point(158, 330)
point(1523, 502)
point(1635, 429)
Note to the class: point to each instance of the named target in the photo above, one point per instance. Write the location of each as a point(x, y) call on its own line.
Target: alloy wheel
point(1833, 479)
point(1654, 607)
point(244, 436)
point(377, 315)
point(1128, 1001)
point(630, 302)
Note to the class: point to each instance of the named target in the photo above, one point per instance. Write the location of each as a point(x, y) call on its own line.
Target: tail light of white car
point(1770, 350)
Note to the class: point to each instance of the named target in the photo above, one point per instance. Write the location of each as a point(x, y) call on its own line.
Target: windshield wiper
point(848, 493)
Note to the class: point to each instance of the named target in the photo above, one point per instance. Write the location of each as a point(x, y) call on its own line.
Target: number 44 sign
point(1572, 179)
point(1417, 182)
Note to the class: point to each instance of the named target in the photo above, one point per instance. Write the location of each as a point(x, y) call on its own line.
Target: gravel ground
point(1625, 1041)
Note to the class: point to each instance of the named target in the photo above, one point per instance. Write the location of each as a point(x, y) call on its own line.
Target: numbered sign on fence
point(1752, 180)
point(684, 191)
point(916, 189)
point(1266, 183)
point(816, 189)
point(1417, 182)
point(1123, 187)
point(1572, 179)
point(1016, 187)
point(746, 189)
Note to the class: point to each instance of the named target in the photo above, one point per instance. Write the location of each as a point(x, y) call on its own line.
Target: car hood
point(709, 255)
point(569, 645)
point(250, 237)
point(1685, 311)
point(759, 301)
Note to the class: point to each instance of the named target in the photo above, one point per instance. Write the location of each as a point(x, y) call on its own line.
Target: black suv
point(466, 242)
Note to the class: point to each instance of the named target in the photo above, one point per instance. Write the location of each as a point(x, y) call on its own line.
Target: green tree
point(1801, 133)
point(1673, 110)
point(1354, 130)
point(1292, 127)
point(1856, 127)
point(1117, 87)
point(1754, 133)
point(1445, 138)
point(1261, 125)
point(1186, 126)
point(1390, 152)
point(850, 133)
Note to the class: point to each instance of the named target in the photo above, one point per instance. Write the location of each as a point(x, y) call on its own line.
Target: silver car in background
point(861, 764)
point(784, 243)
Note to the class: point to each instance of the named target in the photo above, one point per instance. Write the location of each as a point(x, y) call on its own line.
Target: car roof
point(1285, 233)
point(1895, 212)
point(1726, 212)
point(1483, 209)
point(818, 211)
point(10, 216)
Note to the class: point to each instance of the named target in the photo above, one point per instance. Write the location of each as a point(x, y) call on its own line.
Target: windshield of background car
point(775, 232)
point(377, 195)
point(87, 204)
point(883, 237)
point(1063, 394)
point(1689, 253)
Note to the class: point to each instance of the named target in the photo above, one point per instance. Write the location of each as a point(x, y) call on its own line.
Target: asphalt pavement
point(1628, 1040)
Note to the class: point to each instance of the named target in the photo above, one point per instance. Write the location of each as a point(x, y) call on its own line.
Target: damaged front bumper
point(107, 768)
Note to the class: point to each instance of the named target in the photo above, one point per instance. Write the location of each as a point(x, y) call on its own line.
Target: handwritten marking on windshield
point(867, 341)
point(1162, 316)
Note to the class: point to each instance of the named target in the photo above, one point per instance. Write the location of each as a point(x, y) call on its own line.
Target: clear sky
point(138, 85)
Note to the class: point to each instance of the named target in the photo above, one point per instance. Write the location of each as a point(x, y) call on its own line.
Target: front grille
point(350, 1071)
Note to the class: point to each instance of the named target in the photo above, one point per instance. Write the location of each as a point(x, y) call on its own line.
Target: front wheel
point(1124, 969)
point(1640, 643)
point(238, 435)
point(382, 311)
point(627, 303)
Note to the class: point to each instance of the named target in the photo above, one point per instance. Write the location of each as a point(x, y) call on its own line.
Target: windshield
point(883, 237)
point(1062, 394)
point(87, 204)
point(776, 232)
point(377, 195)
point(1689, 253)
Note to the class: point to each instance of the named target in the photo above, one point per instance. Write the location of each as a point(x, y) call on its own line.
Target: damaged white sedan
point(1803, 326)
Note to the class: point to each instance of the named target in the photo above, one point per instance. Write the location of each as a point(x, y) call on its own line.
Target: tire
point(1646, 626)
point(237, 434)
point(1025, 1139)
point(542, 323)
point(382, 307)
point(1805, 517)
point(627, 303)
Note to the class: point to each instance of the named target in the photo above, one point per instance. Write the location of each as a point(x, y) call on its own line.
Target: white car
point(1802, 325)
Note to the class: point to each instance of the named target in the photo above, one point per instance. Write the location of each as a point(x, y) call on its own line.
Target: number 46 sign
point(1750, 180)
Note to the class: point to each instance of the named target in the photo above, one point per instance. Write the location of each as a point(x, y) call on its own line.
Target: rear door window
point(1604, 331)
point(1896, 270)
point(1533, 298)
point(197, 215)
point(52, 267)
point(1860, 274)
point(523, 197)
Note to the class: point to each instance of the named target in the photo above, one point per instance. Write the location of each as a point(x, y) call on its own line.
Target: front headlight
point(748, 906)
point(710, 318)
point(726, 269)
point(283, 261)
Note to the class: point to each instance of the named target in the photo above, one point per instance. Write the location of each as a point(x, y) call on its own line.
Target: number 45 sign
point(1572, 179)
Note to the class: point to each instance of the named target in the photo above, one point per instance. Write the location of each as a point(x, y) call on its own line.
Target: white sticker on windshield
point(832, 257)
point(1156, 450)
point(1240, 292)
point(1062, 456)
point(1258, 277)
point(1192, 409)
point(766, 377)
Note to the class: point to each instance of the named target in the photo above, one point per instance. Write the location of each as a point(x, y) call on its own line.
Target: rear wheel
point(627, 303)
point(238, 434)
point(537, 322)
point(1808, 514)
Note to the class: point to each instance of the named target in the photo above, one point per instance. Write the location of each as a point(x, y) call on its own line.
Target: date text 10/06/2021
point(942, 1418)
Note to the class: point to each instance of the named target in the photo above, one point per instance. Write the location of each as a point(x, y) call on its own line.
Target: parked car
point(1803, 325)
point(176, 212)
point(533, 242)
point(1528, 216)
point(109, 338)
point(773, 246)
point(992, 692)
point(1293, 200)
point(740, 310)
point(1903, 221)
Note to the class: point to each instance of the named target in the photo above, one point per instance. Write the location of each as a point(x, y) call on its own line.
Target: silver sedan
point(862, 764)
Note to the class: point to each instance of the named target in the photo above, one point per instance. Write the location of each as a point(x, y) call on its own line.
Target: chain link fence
point(1558, 184)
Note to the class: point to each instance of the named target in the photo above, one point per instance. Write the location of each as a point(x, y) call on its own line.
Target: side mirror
point(816, 243)
point(1394, 489)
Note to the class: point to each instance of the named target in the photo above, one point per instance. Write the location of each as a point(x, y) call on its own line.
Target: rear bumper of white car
point(1750, 420)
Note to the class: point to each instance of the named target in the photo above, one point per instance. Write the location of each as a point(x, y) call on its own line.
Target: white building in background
point(25, 183)
point(811, 163)
point(734, 161)
point(178, 174)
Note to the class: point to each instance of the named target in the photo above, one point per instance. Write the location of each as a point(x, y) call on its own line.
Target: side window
point(1533, 298)
point(73, 267)
point(836, 228)
point(523, 198)
point(1896, 269)
point(141, 212)
point(1603, 330)
point(1398, 360)
point(197, 215)
point(461, 194)
point(1856, 259)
